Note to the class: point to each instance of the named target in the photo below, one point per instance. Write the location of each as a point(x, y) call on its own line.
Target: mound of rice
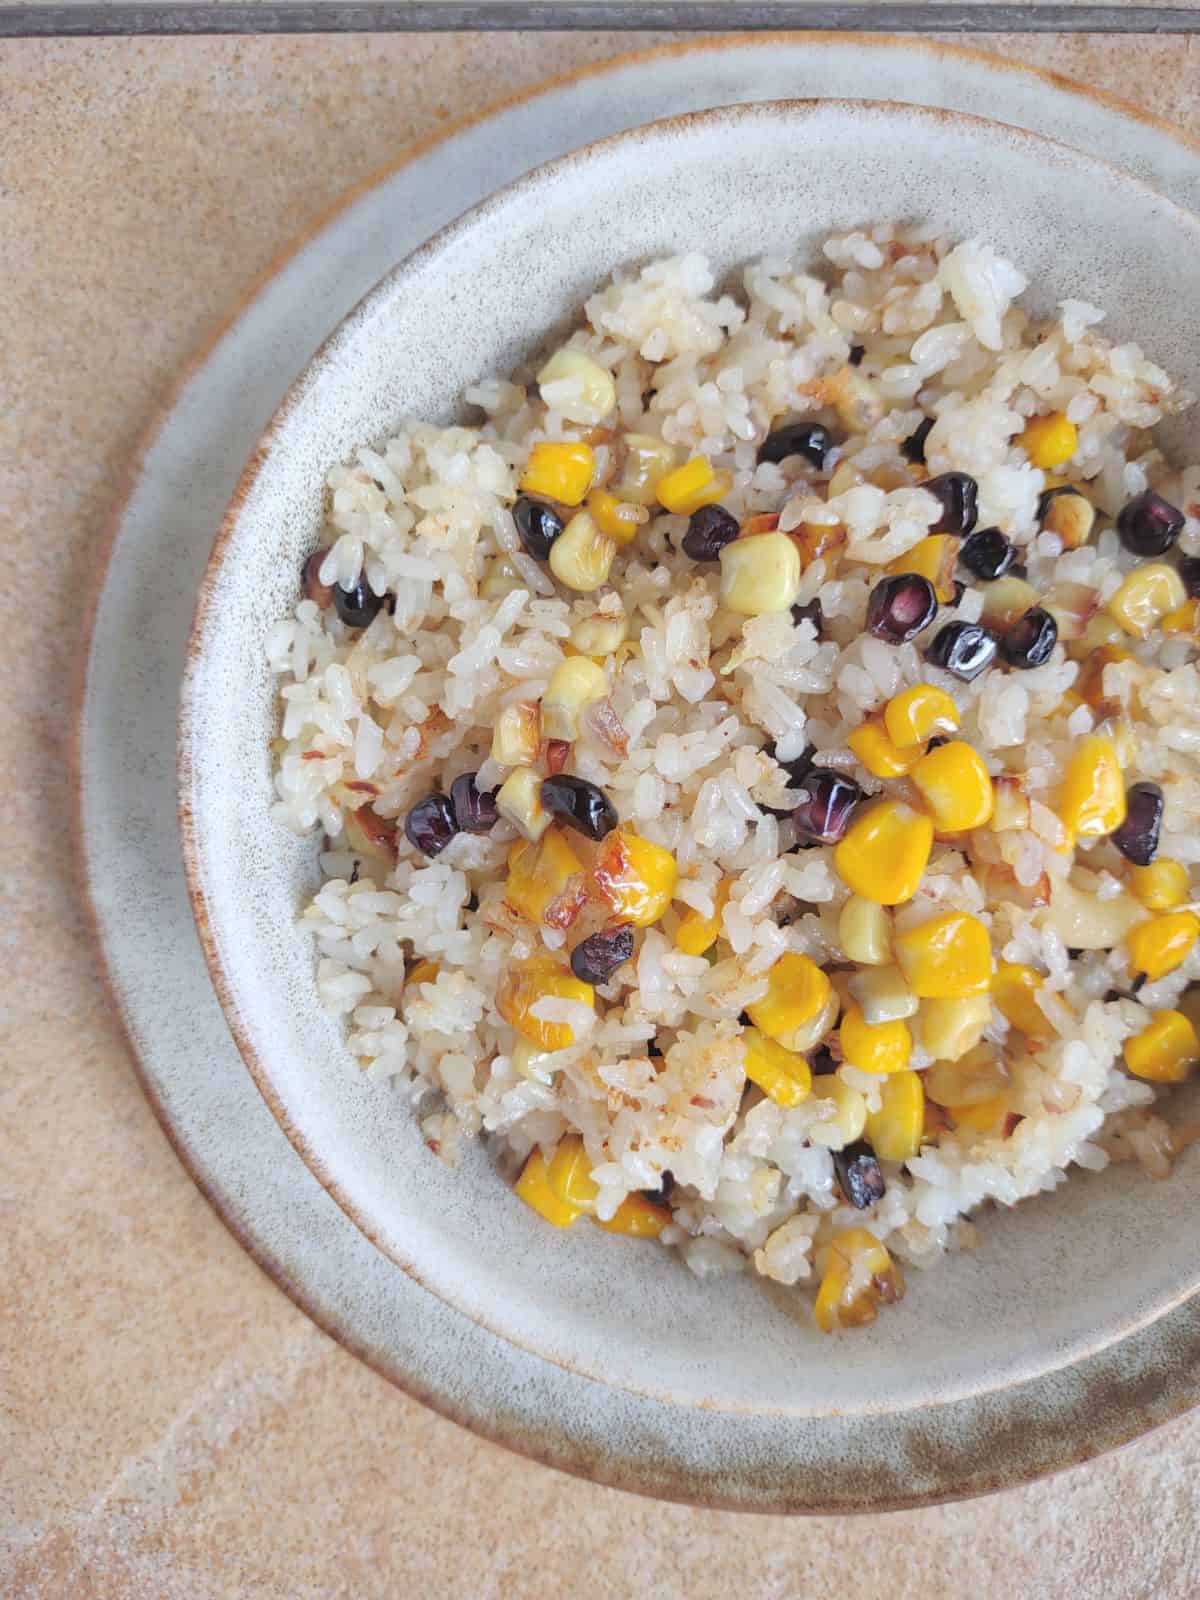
point(899, 326)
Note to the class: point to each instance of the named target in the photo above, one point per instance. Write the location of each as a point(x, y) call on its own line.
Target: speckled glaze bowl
point(1059, 1277)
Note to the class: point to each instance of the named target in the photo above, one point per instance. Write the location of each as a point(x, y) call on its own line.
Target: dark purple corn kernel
point(538, 525)
point(987, 553)
point(474, 809)
point(1189, 571)
point(580, 804)
point(809, 612)
point(913, 448)
point(857, 352)
point(963, 648)
point(1031, 639)
point(429, 826)
point(807, 439)
point(958, 494)
point(827, 801)
point(858, 1174)
point(900, 607)
point(709, 530)
point(357, 607)
point(1149, 525)
point(596, 958)
point(1137, 837)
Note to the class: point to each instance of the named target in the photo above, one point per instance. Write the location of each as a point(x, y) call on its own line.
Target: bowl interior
point(736, 184)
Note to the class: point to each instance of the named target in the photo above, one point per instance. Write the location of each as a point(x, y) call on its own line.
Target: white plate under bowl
point(478, 299)
point(208, 1104)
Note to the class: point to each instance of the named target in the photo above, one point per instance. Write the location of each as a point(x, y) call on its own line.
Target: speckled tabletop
point(170, 1424)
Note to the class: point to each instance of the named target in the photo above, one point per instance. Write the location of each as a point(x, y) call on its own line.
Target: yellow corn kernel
point(582, 557)
point(540, 977)
point(782, 1075)
point(637, 1218)
point(934, 558)
point(570, 1174)
point(533, 1186)
point(884, 852)
point(532, 1064)
point(948, 1029)
point(809, 1034)
point(955, 785)
point(1014, 989)
point(946, 958)
point(1007, 599)
point(879, 1047)
point(697, 933)
point(561, 470)
point(1161, 886)
point(618, 520)
point(865, 932)
point(1184, 619)
point(878, 754)
point(575, 684)
point(987, 1118)
point(797, 991)
point(1049, 441)
point(1165, 1051)
point(599, 635)
point(978, 1076)
point(883, 994)
point(645, 459)
point(691, 486)
point(1010, 805)
point(635, 877)
point(1072, 516)
point(519, 801)
point(517, 735)
point(577, 387)
point(538, 874)
point(843, 1113)
point(425, 971)
point(915, 715)
point(1158, 945)
point(859, 1277)
point(760, 575)
point(895, 1129)
point(1092, 801)
point(1150, 593)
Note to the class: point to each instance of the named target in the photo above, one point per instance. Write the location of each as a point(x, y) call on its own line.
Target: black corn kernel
point(913, 448)
point(429, 826)
point(858, 1174)
point(827, 801)
point(709, 530)
point(597, 957)
point(1137, 837)
point(807, 439)
point(857, 352)
point(1189, 571)
point(1149, 525)
point(900, 606)
point(1031, 639)
point(959, 496)
point(822, 1062)
point(357, 607)
point(538, 525)
point(474, 809)
point(987, 553)
point(963, 648)
point(582, 805)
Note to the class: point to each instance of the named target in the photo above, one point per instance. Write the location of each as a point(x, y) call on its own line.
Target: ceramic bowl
point(1061, 1275)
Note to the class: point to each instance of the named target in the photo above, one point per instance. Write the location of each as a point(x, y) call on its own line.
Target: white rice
point(379, 718)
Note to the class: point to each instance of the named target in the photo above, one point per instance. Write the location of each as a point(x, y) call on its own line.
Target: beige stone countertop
point(170, 1424)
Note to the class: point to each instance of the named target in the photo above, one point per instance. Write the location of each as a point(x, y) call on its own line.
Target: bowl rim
point(1139, 1413)
point(324, 356)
